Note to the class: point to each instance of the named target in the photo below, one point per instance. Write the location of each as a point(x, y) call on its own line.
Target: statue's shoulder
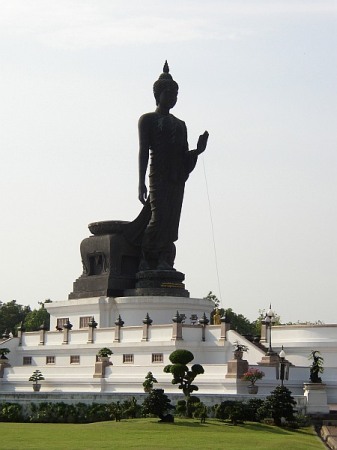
point(147, 118)
point(181, 122)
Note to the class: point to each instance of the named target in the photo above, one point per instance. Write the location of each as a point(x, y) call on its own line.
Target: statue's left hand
point(202, 142)
point(142, 193)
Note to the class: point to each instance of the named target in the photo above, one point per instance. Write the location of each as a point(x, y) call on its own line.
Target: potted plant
point(316, 367)
point(252, 375)
point(239, 349)
point(104, 354)
point(315, 390)
point(35, 377)
point(3, 353)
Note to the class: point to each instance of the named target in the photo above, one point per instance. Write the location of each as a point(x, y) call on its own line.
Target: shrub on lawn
point(302, 420)
point(220, 410)
point(200, 411)
point(194, 404)
point(232, 410)
point(251, 408)
point(131, 409)
point(157, 403)
point(61, 412)
point(181, 408)
point(278, 406)
point(238, 411)
point(10, 412)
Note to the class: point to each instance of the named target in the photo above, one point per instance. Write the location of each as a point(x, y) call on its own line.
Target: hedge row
point(61, 412)
point(278, 408)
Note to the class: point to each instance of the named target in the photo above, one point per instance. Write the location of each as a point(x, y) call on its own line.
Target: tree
point(213, 298)
point(11, 316)
point(239, 322)
point(157, 403)
point(37, 317)
point(216, 301)
point(262, 315)
point(182, 375)
point(280, 404)
point(148, 383)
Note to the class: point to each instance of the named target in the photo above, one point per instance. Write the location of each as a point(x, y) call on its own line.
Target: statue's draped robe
point(156, 227)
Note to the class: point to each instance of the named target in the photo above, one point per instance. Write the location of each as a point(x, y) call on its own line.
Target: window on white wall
point(128, 358)
point(84, 321)
point(74, 359)
point(157, 357)
point(61, 322)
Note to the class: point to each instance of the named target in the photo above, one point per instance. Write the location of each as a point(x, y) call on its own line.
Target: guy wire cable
point(212, 227)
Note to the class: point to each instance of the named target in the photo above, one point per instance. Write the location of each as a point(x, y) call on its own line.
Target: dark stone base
point(110, 262)
point(159, 283)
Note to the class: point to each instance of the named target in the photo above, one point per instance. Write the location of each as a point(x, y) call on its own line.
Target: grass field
point(149, 434)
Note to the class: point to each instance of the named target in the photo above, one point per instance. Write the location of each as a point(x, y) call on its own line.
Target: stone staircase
point(326, 427)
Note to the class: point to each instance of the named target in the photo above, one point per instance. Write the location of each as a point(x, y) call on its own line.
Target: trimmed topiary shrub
point(279, 406)
point(183, 376)
point(181, 357)
point(148, 382)
point(157, 403)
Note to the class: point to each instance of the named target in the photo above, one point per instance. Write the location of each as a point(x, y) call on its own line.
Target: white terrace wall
point(299, 340)
point(213, 353)
point(62, 375)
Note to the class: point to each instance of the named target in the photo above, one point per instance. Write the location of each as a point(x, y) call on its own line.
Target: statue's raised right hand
point(202, 142)
point(142, 193)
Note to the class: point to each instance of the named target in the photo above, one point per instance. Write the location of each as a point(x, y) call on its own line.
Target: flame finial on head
point(164, 80)
point(166, 68)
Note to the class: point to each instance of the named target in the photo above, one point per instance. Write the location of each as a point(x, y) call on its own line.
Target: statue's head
point(164, 82)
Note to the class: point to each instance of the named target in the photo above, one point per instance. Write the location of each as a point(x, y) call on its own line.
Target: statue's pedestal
point(111, 284)
point(317, 401)
point(132, 310)
point(110, 267)
point(110, 262)
point(159, 283)
point(161, 309)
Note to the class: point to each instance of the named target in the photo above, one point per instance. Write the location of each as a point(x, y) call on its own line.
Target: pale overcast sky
point(260, 76)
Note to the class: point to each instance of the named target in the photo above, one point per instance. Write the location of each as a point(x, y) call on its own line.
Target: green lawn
point(149, 434)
